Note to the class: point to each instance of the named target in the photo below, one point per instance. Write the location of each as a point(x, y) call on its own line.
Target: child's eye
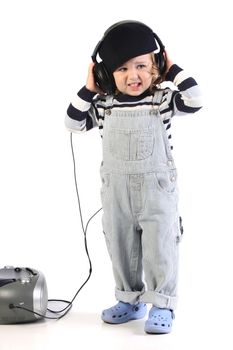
point(122, 69)
point(141, 66)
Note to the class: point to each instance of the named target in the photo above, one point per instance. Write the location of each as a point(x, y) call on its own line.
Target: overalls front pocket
point(166, 180)
point(131, 145)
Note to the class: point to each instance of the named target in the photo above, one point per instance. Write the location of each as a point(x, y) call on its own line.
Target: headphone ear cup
point(103, 78)
point(161, 62)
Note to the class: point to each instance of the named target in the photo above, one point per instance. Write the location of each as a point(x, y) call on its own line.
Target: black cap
point(125, 41)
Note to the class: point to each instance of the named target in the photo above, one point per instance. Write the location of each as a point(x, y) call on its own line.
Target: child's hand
point(90, 83)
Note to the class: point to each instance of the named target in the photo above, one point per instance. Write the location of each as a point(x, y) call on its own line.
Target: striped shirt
point(87, 110)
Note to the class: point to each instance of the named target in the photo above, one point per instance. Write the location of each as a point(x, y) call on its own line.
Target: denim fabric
point(140, 207)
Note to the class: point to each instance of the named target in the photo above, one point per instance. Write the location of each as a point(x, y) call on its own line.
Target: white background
point(45, 51)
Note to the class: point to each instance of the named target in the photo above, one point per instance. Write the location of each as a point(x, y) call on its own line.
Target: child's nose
point(132, 73)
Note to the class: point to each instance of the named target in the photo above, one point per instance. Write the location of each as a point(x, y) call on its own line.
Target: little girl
point(139, 179)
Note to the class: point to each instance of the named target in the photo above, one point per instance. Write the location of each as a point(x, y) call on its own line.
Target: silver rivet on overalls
point(170, 163)
point(108, 111)
point(173, 179)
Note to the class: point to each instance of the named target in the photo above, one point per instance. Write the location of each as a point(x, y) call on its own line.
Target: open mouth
point(134, 85)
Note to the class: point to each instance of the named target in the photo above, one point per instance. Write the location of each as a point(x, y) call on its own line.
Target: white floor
point(192, 330)
point(86, 329)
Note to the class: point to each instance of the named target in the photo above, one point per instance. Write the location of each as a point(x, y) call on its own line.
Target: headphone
point(104, 79)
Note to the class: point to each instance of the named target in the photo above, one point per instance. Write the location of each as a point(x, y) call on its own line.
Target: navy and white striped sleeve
point(80, 115)
point(187, 98)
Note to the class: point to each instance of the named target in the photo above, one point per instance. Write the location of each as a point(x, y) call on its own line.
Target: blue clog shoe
point(124, 312)
point(159, 321)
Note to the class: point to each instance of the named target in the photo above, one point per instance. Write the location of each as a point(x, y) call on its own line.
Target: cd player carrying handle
point(28, 269)
point(31, 271)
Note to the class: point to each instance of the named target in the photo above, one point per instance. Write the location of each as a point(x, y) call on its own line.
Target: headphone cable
point(66, 309)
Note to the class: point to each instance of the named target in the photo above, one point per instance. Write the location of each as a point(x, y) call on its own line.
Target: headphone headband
point(117, 24)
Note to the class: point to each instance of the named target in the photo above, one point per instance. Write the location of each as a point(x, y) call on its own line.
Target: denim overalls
point(139, 197)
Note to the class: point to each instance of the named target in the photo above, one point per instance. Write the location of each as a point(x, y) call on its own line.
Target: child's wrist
point(86, 94)
point(172, 72)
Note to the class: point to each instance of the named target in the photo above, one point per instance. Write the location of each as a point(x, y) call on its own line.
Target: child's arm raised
point(80, 113)
point(186, 98)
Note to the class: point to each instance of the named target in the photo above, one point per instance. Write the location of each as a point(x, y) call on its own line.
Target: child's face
point(134, 76)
